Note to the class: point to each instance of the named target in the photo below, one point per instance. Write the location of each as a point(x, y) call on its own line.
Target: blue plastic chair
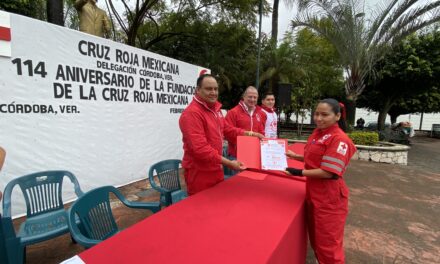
point(8, 251)
point(4, 256)
point(46, 217)
point(3, 250)
point(91, 219)
point(164, 178)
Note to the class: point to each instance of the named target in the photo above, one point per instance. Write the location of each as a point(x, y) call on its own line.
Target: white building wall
point(370, 116)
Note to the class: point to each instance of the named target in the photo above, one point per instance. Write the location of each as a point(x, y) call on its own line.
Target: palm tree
point(274, 35)
point(275, 9)
point(279, 64)
point(361, 42)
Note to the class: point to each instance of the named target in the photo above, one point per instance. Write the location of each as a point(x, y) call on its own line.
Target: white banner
point(102, 110)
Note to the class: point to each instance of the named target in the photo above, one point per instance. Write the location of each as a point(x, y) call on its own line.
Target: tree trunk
point(350, 109)
point(354, 86)
point(273, 85)
point(288, 115)
point(383, 115)
point(393, 117)
point(381, 120)
point(131, 35)
point(274, 35)
point(55, 12)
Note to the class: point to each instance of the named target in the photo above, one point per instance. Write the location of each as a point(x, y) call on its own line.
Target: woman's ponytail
point(342, 121)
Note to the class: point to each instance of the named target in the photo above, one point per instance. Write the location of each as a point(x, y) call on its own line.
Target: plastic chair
point(46, 217)
point(168, 184)
point(3, 251)
point(91, 220)
point(8, 251)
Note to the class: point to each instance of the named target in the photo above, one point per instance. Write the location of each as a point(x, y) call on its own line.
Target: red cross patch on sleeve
point(342, 148)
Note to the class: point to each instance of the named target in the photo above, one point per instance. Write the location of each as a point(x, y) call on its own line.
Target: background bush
point(364, 138)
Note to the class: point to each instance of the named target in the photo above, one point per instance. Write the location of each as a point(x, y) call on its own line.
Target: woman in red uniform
point(326, 156)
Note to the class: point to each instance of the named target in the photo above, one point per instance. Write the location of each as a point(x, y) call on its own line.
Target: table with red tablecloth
point(251, 218)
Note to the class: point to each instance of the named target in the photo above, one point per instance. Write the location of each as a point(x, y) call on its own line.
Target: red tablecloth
point(241, 220)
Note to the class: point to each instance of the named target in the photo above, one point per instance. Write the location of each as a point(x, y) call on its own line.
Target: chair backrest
point(93, 210)
point(42, 192)
point(167, 172)
point(9, 243)
point(3, 251)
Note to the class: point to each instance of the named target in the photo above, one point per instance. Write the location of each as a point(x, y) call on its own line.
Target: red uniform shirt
point(331, 150)
point(327, 199)
point(203, 128)
point(240, 117)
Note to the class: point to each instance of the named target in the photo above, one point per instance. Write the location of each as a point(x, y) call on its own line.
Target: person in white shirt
point(267, 105)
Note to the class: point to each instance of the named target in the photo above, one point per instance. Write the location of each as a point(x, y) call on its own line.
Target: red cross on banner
point(5, 33)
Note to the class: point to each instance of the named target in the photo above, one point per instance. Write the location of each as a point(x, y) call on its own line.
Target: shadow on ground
point(394, 212)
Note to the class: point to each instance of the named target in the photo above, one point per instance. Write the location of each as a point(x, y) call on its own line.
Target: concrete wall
point(428, 119)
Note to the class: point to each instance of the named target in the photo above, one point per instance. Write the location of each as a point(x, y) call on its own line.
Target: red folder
point(248, 152)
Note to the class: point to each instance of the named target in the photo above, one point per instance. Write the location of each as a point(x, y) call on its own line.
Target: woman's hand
point(294, 172)
point(293, 155)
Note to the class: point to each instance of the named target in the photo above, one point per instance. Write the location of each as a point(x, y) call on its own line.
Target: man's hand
point(254, 134)
point(236, 165)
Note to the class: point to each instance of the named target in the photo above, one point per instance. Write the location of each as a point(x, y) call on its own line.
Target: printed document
point(273, 154)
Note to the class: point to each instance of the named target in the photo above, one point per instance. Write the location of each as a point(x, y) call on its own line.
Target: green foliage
point(364, 138)
point(71, 18)
point(407, 78)
point(153, 12)
point(309, 62)
point(361, 42)
point(37, 9)
point(227, 48)
point(30, 8)
point(319, 63)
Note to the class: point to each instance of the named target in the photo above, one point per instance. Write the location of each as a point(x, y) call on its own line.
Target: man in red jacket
point(246, 115)
point(203, 128)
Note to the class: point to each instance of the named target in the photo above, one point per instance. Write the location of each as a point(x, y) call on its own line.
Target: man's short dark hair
point(202, 77)
point(267, 94)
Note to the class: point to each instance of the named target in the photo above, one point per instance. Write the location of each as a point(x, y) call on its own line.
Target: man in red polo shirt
point(246, 115)
point(203, 128)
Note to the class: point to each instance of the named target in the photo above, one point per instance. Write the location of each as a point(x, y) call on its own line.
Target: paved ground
point(394, 212)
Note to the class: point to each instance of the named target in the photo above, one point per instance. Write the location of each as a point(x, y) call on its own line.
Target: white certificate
point(273, 154)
